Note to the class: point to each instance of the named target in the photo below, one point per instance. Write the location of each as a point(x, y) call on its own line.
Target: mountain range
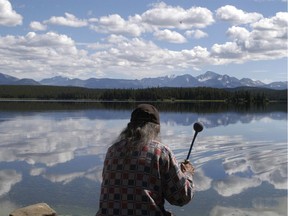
point(208, 79)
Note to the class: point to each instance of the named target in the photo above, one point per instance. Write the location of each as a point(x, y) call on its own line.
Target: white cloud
point(166, 16)
point(271, 32)
point(98, 46)
point(68, 20)
point(37, 26)
point(229, 50)
point(280, 20)
point(46, 55)
point(40, 54)
point(266, 40)
point(49, 39)
point(238, 33)
point(52, 53)
point(9, 17)
point(170, 36)
point(144, 57)
point(236, 16)
point(160, 18)
point(197, 34)
point(115, 24)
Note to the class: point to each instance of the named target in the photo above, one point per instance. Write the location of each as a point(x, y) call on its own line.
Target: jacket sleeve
point(178, 187)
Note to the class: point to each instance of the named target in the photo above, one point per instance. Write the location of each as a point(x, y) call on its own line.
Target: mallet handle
point(196, 132)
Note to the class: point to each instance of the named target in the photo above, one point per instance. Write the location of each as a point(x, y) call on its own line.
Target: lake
point(53, 152)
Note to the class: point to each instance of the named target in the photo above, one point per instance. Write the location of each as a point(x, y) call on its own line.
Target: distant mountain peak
point(208, 79)
point(10, 80)
point(7, 77)
point(56, 80)
point(207, 76)
point(210, 73)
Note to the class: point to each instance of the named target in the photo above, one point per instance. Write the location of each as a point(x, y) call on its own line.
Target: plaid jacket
point(137, 182)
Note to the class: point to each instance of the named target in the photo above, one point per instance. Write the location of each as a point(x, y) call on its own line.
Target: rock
point(39, 209)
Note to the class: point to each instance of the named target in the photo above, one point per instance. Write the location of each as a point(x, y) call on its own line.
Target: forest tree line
point(236, 95)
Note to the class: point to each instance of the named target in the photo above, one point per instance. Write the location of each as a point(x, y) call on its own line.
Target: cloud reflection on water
point(8, 178)
point(41, 140)
point(235, 185)
point(44, 143)
point(260, 206)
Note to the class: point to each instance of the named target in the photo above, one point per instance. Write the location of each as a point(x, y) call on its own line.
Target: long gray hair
point(139, 134)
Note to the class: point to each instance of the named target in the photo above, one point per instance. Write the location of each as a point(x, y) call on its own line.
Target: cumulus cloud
point(238, 33)
point(260, 39)
point(159, 20)
point(236, 16)
point(115, 24)
point(144, 56)
point(171, 36)
point(229, 50)
point(165, 16)
point(197, 34)
point(37, 26)
point(266, 40)
point(68, 20)
point(9, 17)
point(269, 31)
point(274, 23)
point(41, 54)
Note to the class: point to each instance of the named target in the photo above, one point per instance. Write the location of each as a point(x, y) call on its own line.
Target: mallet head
point(198, 127)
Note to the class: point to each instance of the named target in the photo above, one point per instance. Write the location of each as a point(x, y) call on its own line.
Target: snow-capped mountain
point(208, 79)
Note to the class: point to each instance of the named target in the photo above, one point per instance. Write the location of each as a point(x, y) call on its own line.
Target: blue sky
point(135, 39)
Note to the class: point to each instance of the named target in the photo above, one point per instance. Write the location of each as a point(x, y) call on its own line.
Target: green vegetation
point(236, 96)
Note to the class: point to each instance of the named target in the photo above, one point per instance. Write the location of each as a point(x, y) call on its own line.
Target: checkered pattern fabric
point(137, 182)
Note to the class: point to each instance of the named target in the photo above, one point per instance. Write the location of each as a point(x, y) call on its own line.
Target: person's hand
point(186, 166)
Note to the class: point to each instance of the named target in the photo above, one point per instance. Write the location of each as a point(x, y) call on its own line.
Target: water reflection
point(8, 179)
point(57, 150)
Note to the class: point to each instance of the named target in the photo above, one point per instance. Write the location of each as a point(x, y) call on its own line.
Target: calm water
point(53, 153)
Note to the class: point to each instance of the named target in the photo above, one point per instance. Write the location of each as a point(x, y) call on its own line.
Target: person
point(140, 172)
